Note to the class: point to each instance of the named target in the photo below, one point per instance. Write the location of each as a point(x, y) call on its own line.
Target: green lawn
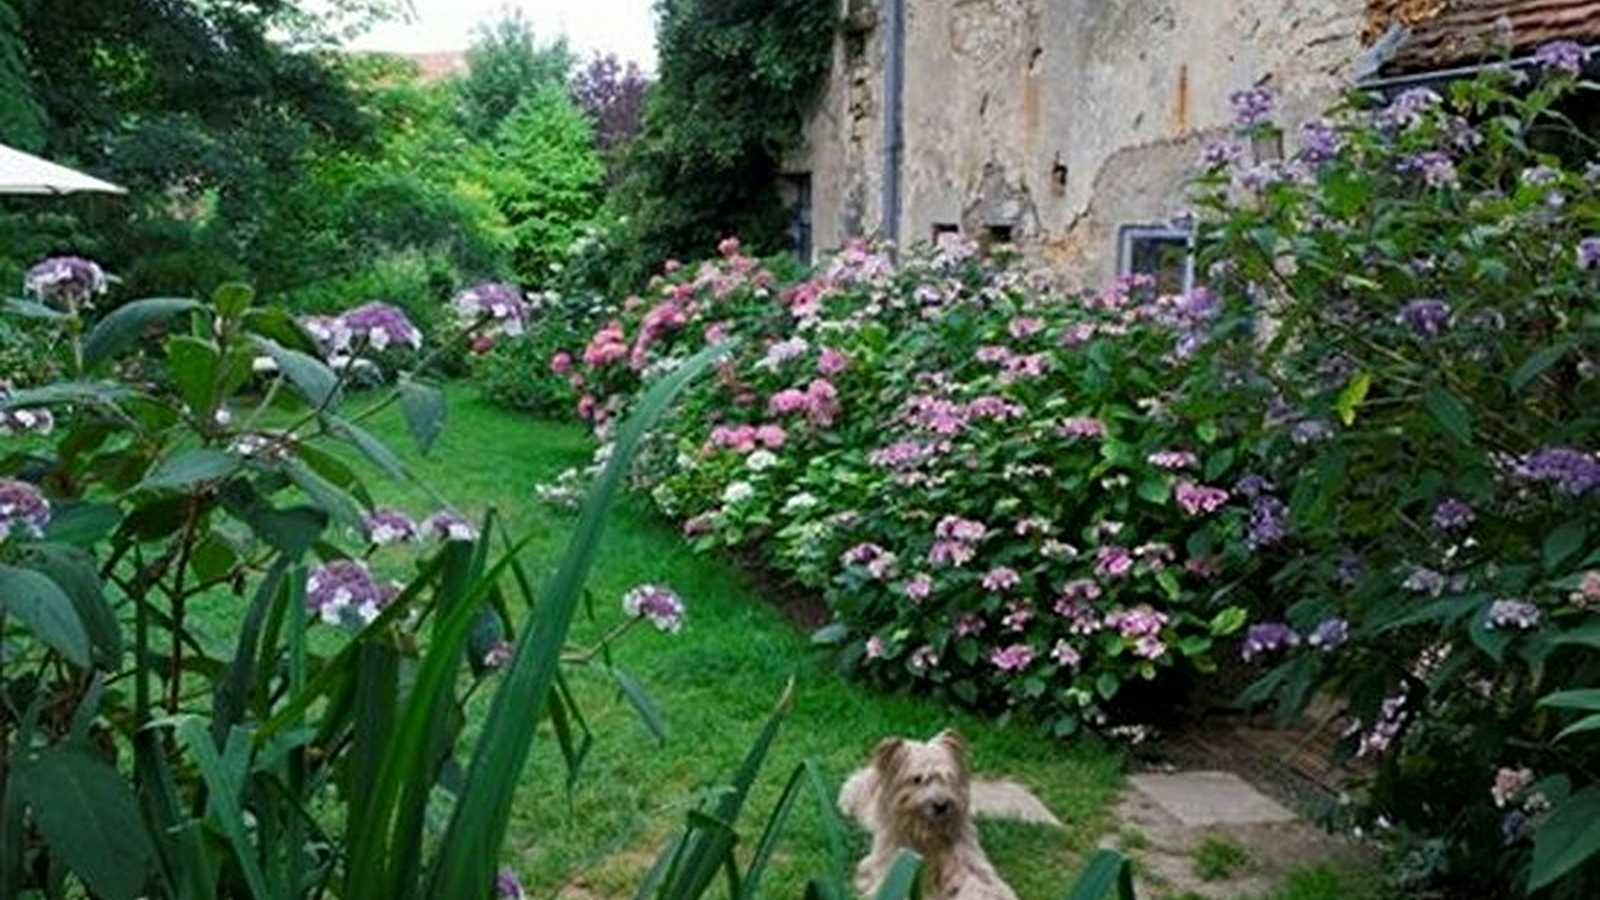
point(715, 683)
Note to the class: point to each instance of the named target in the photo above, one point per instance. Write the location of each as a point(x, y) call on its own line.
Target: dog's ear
point(951, 741)
point(888, 756)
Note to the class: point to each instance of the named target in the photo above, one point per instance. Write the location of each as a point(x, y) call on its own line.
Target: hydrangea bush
point(1422, 272)
point(1007, 496)
point(172, 454)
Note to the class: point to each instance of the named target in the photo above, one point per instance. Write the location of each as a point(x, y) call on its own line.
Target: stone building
point(1069, 127)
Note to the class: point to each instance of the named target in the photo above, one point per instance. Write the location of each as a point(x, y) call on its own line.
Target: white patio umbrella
point(24, 173)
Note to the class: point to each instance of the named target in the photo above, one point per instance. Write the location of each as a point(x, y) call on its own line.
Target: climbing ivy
point(736, 80)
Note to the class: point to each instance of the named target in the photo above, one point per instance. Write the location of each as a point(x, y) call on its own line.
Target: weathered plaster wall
point(1061, 120)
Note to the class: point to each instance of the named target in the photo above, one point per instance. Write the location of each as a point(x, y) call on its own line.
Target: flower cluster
point(344, 590)
point(69, 281)
point(22, 506)
point(659, 605)
point(492, 308)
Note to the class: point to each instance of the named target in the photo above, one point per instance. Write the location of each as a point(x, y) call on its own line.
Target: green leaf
point(88, 815)
point(1567, 839)
point(232, 299)
point(332, 499)
point(192, 467)
point(1586, 724)
point(1107, 873)
point(224, 777)
point(900, 881)
point(1107, 685)
point(1451, 414)
point(32, 309)
point(1538, 364)
point(309, 375)
point(124, 326)
point(466, 857)
point(1563, 543)
point(45, 609)
point(369, 445)
point(73, 570)
point(1587, 634)
point(1229, 621)
point(82, 523)
point(1583, 698)
point(1351, 398)
point(193, 364)
point(424, 410)
point(1155, 490)
point(642, 703)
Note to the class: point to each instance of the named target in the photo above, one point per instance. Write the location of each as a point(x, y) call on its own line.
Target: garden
point(501, 530)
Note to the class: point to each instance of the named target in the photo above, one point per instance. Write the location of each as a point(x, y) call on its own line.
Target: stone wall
point(1056, 122)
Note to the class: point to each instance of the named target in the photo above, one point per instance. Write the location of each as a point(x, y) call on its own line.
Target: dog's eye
point(919, 779)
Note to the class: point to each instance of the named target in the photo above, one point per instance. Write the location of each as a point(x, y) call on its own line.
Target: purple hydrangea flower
point(1407, 109)
point(1198, 499)
point(67, 280)
point(1172, 459)
point(1426, 318)
point(1319, 142)
point(1424, 580)
point(501, 307)
point(1518, 614)
point(507, 886)
point(1267, 637)
point(1253, 106)
point(344, 587)
point(1434, 167)
point(24, 421)
point(331, 334)
point(1329, 634)
point(1082, 427)
point(1392, 716)
point(660, 605)
point(1266, 526)
point(1513, 826)
point(450, 526)
point(1589, 253)
point(1014, 658)
point(1222, 155)
point(22, 506)
point(382, 325)
point(388, 526)
point(1573, 472)
point(1000, 579)
point(1311, 431)
point(1540, 176)
point(1453, 513)
point(1564, 56)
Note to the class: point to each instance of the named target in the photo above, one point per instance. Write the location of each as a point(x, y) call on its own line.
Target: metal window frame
point(1129, 235)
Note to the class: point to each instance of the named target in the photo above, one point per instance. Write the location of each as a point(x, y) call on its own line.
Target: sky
point(622, 27)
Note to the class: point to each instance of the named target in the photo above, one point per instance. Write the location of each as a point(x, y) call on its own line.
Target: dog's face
point(925, 786)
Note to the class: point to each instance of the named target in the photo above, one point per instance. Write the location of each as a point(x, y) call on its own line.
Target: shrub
point(1425, 269)
point(311, 754)
point(1004, 494)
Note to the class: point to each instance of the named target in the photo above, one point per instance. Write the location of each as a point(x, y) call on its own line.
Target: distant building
point(1069, 127)
point(436, 66)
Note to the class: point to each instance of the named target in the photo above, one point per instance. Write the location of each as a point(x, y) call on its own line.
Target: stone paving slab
point(1009, 800)
point(1198, 799)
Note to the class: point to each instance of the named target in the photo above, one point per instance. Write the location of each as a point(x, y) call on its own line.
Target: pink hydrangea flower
point(832, 362)
point(919, 587)
point(1198, 499)
point(1000, 579)
point(1014, 658)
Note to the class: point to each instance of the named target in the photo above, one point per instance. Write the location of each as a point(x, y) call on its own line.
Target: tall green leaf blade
point(88, 815)
point(466, 859)
point(423, 407)
point(45, 609)
point(224, 782)
point(1587, 699)
point(900, 881)
point(122, 327)
point(642, 703)
point(1106, 874)
point(1567, 839)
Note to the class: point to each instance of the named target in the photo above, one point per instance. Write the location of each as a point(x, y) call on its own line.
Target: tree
point(612, 95)
point(505, 65)
point(737, 79)
point(21, 119)
point(545, 177)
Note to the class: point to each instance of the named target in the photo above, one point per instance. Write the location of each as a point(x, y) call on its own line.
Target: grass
point(714, 683)
point(1218, 858)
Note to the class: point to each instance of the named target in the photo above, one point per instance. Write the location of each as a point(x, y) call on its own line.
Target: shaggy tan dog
point(918, 795)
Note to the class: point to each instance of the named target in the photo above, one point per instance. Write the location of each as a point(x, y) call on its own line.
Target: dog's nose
point(940, 807)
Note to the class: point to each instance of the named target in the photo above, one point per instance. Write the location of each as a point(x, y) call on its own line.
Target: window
point(796, 190)
point(1165, 252)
